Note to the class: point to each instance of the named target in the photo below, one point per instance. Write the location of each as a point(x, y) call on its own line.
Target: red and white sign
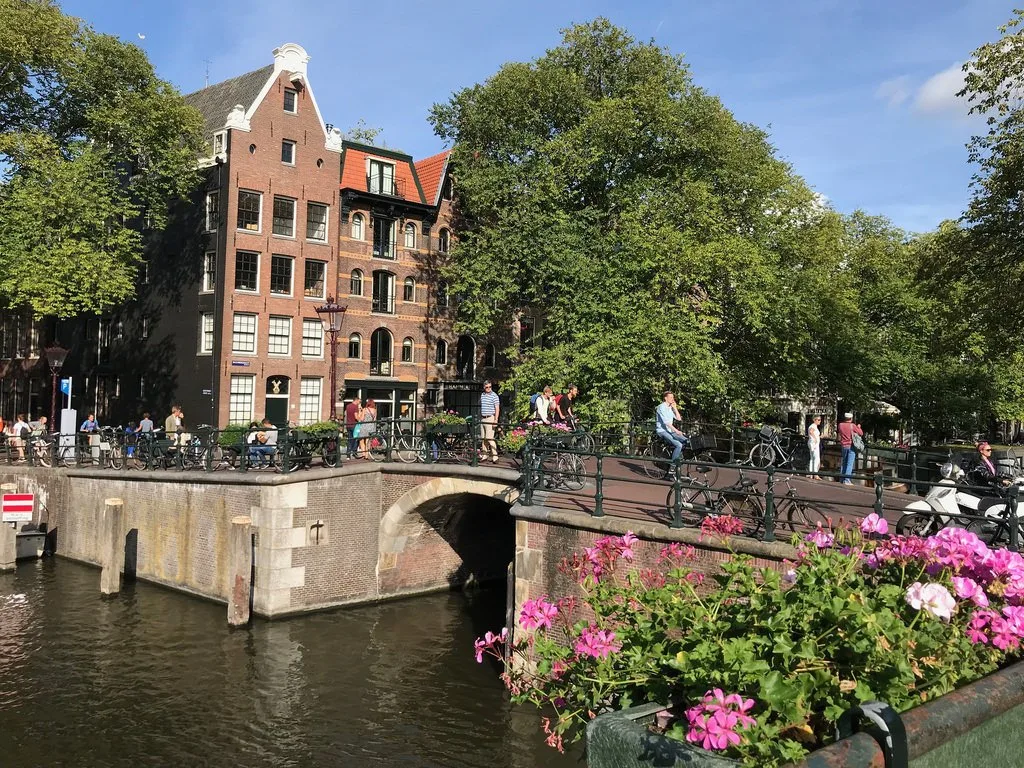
point(17, 508)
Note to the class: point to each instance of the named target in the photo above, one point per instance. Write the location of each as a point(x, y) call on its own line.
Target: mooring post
point(111, 540)
point(240, 575)
point(8, 536)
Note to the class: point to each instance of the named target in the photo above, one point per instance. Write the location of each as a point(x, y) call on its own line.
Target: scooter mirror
point(946, 470)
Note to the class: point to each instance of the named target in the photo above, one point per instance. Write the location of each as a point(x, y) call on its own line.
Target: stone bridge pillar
point(276, 538)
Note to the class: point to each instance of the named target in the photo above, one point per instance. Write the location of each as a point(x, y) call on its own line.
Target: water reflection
point(156, 678)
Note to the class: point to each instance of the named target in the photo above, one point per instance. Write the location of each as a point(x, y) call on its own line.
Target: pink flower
point(821, 538)
point(488, 643)
point(596, 643)
point(626, 545)
point(968, 589)
point(789, 577)
point(720, 526)
point(537, 613)
point(874, 524)
point(713, 722)
point(933, 598)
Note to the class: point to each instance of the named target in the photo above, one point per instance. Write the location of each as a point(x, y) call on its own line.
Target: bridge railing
point(768, 504)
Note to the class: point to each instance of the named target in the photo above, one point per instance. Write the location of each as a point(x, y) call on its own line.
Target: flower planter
point(449, 429)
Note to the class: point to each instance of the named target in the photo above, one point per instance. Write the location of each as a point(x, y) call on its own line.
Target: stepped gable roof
point(217, 100)
point(431, 171)
point(354, 171)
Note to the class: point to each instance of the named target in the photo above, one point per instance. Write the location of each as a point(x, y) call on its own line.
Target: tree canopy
point(93, 149)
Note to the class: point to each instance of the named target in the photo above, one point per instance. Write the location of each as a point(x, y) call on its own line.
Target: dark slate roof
point(215, 101)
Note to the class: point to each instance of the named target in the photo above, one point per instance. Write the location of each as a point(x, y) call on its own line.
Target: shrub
point(443, 418)
point(760, 664)
point(320, 429)
point(513, 440)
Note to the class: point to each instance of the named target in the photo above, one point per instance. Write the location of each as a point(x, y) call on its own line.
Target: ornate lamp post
point(332, 315)
point(55, 356)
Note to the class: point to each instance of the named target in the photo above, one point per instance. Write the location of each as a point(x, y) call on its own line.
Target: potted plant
point(513, 441)
point(756, 665)
point(446, 423)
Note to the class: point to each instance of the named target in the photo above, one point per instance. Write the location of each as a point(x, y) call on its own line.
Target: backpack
point(857, 443)
point(533, 400)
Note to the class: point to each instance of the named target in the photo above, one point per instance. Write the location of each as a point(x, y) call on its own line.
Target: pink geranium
point(596, 643)
point(969, 589)
point(821, 538)
point(873, 524)
point(537, 613)
point(714, 722)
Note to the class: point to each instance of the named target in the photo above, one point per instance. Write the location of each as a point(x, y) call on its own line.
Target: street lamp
point(332, 315)
point(55, 356)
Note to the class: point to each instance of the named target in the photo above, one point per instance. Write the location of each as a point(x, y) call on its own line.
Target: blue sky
point(857, 95)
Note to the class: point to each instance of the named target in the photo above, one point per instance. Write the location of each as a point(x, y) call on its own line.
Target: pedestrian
point(847, 429)
point(90, 425)
point(172, 424)
point(814, 448)
point(19, 432)
point(146, 425)
point(563, 407)
point(543, 405)
point(351, 419)
point(367, 426)
point(490, 409)
point(665, 416)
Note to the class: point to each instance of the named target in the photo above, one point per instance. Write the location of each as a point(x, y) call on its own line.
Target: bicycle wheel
point(917, 524)
point(407, 450)
point(330, 454)
point(66, 456)
point(656, 459)
point(115, 457)
point(703, 461)
point(570, 469)
point(377, 447)
point(694, 501)
point(584, 441)
point(801, 516)
point(43, 453)
point(762, 455)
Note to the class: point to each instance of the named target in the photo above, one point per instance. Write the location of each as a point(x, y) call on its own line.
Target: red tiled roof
point(431, 170)
point(353, 172)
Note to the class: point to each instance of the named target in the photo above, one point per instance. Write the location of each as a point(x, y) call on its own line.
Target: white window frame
point(310, 399)
point(361, 220)
point(220, 142)
point(358, 337)
point(206, 340)
point(295, 101)
point(294, 146)
point(410, 228)
point(210, 260)
point(323, 281)
point(235, 349)
point(381, 179)
point(259, 260)
point(212, 211)
point(407, 283)
point(259, 214)
point(441, 344)
point(412, 350)
point(291, 275)
point(327, 222)
point(242, 385)
point(310, 324)
point(273, 215)
point(144, 329)
point(279, 322)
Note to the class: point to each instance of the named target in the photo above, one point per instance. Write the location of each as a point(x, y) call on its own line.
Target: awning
point(884, 408)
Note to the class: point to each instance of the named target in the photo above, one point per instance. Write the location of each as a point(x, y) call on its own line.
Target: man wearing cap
point(847, 429)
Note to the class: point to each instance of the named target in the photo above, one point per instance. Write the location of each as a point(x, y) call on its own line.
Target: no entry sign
point(17, 508)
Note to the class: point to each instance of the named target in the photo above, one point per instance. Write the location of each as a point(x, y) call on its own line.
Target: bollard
point(240, 563)
point(769, 507)
point(599, 483)
point(111, 546)
point(879, 484)
point(8, 536)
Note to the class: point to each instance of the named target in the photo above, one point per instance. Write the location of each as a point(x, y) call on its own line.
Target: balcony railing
point(391, 187)
point(384, 304)
point(380, 366)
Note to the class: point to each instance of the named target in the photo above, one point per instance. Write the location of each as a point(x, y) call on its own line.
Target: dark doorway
point(277, 400)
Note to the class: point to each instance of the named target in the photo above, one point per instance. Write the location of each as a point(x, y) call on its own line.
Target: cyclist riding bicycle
point(664, 416)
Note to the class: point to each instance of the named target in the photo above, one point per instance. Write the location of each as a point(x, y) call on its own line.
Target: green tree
point(94, 147)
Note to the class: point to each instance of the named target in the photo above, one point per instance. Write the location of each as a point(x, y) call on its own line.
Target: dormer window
point(218, 142)
point(291, 101)
point(381, 178)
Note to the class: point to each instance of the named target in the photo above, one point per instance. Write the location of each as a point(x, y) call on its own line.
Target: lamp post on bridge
point(332, 316)
point(55, 356)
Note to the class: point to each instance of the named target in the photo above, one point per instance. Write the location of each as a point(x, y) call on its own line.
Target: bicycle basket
point(767, 433)
point(701, 443)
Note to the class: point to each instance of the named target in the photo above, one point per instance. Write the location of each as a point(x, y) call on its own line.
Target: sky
point(857, 95)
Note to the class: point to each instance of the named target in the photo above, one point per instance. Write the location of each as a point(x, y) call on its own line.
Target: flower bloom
point(933, 598)
point(537, 613)
point(489, 643)
point(720, 526)
point(874, 524)
point(596, 643)
point(821, 538)
point(714, 722)
point(969, 589)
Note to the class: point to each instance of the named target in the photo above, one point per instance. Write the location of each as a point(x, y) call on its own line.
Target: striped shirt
point(488, 404)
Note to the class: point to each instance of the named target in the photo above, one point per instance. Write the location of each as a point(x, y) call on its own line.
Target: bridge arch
point(455, 526)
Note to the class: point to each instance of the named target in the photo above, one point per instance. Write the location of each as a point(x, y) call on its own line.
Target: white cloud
point(937, 96)
point(895, 91)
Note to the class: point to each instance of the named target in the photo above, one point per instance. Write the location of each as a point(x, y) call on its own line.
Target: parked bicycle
point(780, 448)
point(657, 455)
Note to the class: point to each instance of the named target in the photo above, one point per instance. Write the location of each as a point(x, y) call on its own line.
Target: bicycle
point(558, 469)
point(658, 456)
point(776, 445)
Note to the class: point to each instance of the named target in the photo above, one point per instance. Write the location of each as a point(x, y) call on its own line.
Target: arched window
point(355, 284)
point(383, 292)
point(409, 290)
point(407, 347)
point(442, 241)
point(441, 355)
point(465, 357)
point(410, 235)
point(441, 291)
point(490, 356)
point(356, 230)
point(355, 344)
point(380, 352)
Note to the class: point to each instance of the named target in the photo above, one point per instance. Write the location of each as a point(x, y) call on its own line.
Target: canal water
point(155, 678)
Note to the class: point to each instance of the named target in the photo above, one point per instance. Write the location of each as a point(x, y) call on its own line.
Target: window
point(441, 292)
point(526, 330)
point(291, 100)
point(383, 292)
point(288, 152)
point(284, 216)
point(209, 271)
point(316, 222)
point(383, 238)
point(314, 280)
point(355, 343)
point(279, 335)
point(218, 142)
point(212, 211)
point(249, 211)
point(355, 283)
point(144, 327)
point(380, 352)
point(309, 400)
point(449, 189)
point(247, 270)
point(243, 336)
point(381, 180)
point(356, 230)
point(206, 333)
point(281, 275)
point(441, 354)
point(409, 290)
point(312, 338)
point(240, 399)
point(442, 241)
point(490, 356)
point(144, 273)
point(407, 347)
point(410, 235)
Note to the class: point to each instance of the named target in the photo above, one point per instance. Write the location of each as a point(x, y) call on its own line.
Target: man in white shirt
point(544, 406)
point(665, 414)
point(19, 432)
